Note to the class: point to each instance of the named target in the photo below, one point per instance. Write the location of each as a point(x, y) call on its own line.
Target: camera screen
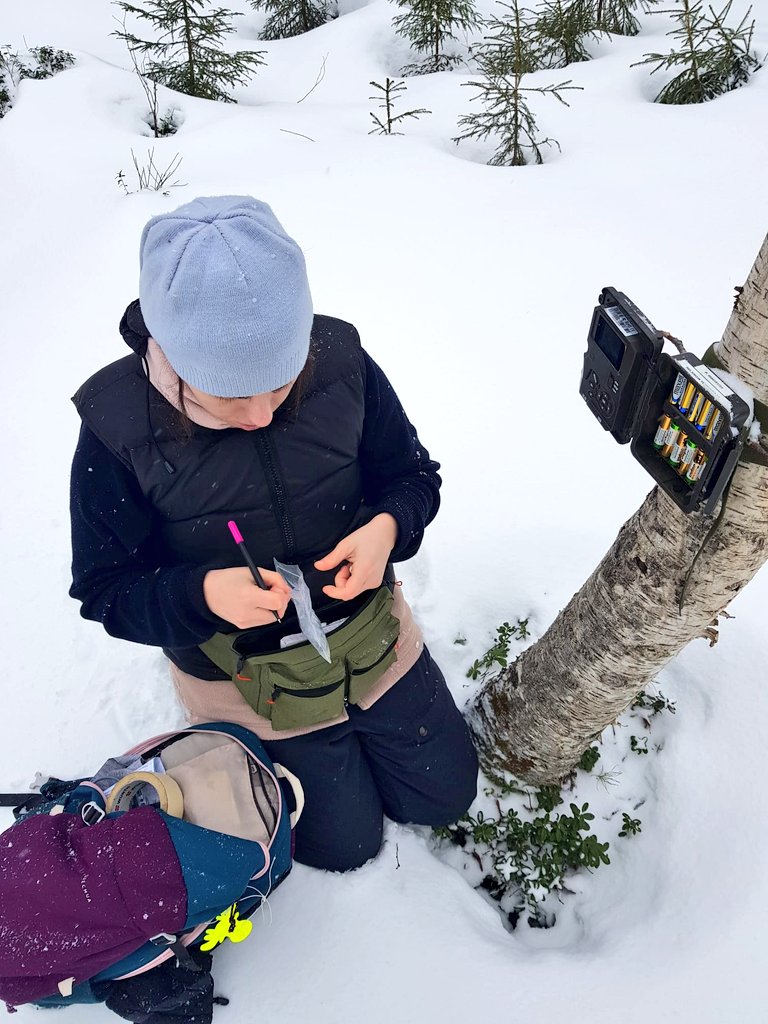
point(609, 343)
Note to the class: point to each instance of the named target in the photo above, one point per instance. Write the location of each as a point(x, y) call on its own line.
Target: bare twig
point(148, 85)
point(318, 80)
point(289, 132)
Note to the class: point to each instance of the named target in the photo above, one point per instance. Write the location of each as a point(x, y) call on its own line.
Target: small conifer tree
point(293, 17)
point(714, 57)
point(563, 26)
point(618, 16)
point(388, 93)
point(186, 55)
point(428, 25)
point(513, 45)
point(503, 59)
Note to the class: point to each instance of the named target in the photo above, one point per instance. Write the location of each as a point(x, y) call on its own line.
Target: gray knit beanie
point(224, 292)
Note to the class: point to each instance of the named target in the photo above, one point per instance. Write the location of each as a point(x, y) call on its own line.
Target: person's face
point(249, 413)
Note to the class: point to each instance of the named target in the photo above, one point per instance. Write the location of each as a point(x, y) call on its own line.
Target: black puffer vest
point(294, 487)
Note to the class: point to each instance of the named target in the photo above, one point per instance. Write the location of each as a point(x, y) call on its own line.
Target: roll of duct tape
point(126, 793)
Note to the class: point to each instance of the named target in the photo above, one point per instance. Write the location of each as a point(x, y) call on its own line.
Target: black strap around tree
point(752, 452)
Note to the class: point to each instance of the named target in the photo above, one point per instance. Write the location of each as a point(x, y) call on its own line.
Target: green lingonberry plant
point(538, 837)
point(497, 657)
point(655, 703)
point(40, 62)
point(589, 759)
point(531, 854)
point(630, 826)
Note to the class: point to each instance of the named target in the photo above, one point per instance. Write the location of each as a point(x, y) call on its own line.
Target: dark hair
point(288, 409)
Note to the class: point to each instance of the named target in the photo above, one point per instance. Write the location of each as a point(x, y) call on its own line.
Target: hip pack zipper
point(320, 691)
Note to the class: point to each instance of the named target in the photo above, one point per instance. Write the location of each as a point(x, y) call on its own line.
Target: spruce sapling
point(187, 56)
point(714, 57)
point(562, 27)
point(618, 16)
point(503, 60)
point(428, 25)
point(293, 17)
point(513, 45)
point(388, 92)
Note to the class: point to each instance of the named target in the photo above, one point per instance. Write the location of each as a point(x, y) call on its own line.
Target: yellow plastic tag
point(228, 926)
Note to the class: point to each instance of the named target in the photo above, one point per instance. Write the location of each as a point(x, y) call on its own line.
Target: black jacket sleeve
point(399, 477)
point(114, 572)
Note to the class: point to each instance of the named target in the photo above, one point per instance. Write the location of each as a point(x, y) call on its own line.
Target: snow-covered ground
point(473, 287)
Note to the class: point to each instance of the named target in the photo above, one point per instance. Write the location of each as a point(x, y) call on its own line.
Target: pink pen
point(258, 578)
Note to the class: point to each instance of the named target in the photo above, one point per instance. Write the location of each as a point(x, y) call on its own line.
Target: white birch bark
point(623, 626)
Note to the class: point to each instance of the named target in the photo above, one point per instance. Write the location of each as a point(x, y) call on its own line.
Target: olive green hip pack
point(294, 687)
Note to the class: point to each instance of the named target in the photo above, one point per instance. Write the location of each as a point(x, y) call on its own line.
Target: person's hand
point(233, 594)
point(365, 553)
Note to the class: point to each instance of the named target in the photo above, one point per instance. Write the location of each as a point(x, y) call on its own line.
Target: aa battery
point(676, 453)
point(696, 468)
point(714, 425)
point(687, 457)
point(686, 401)
point(696, 406)
point(678, 388)
point(705, 415)
point(660, 438)
point(673, 433)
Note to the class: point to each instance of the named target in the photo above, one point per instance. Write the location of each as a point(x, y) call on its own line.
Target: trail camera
point(684, 423)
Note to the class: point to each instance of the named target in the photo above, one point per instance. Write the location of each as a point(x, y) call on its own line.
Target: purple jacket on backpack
point(79, 874)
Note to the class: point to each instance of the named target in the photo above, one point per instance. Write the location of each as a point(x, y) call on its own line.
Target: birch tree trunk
point(537, 717)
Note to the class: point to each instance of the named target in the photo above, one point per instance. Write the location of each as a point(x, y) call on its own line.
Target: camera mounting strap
point(751, 452)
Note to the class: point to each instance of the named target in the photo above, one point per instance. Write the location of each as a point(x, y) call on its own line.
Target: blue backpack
point(156, 859)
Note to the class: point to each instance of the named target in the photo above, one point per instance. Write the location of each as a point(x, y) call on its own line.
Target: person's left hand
point(365, 553)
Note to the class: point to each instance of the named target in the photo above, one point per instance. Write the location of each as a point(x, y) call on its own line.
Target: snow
point(473, 286)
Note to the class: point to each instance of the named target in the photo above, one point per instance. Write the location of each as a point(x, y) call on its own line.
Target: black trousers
point(410, 756)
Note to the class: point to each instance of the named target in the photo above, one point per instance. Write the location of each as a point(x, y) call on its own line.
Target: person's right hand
point(233, 594)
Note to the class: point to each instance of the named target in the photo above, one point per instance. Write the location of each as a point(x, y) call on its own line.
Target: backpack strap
point(298, 791)
point(175, 942)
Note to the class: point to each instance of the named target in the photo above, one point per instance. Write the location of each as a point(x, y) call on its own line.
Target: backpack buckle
point(163, 939)
point(92, 813)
